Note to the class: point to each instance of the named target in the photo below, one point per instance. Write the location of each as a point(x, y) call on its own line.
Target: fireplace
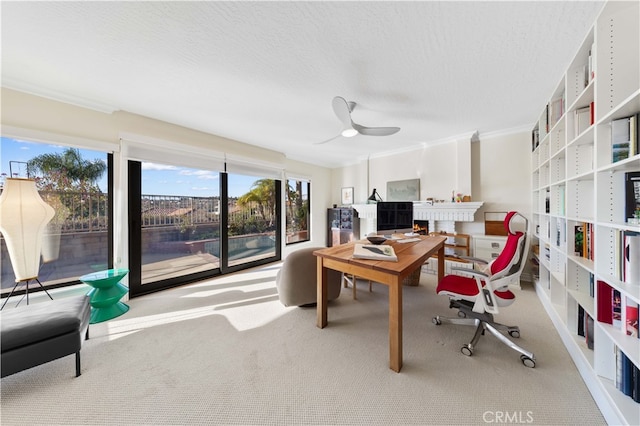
point(421, 227)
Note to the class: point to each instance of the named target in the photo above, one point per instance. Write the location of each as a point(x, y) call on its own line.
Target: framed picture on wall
point(347, 196)
point(403, 190)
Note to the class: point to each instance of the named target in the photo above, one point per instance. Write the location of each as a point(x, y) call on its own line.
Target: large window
point(180, 220)
point(184, 223)
point(297, 211)
point(188, 224)
point(252, 219)
point(75, 182)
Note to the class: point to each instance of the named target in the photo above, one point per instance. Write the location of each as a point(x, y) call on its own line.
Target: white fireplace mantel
point(450, 212)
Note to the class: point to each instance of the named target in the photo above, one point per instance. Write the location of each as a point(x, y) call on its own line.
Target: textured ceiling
point(264, 73)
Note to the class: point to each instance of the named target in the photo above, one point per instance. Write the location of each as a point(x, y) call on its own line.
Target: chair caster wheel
point(436, 320)
point(461, 314)
point(514, 333)
point(466, 349)
point(528, 362)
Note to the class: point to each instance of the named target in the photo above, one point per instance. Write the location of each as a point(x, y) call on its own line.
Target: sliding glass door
point(189, 224)
point(252, 215)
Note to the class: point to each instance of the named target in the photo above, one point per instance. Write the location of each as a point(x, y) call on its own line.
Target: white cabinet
point(488, 247)
point(578, 203)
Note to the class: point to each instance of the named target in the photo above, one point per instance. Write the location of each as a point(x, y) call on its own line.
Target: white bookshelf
point(575, 183)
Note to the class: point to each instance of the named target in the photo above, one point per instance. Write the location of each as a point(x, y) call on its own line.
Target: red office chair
point(478, 297)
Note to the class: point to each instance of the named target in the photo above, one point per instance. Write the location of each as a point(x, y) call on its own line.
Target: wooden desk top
point(410, 255)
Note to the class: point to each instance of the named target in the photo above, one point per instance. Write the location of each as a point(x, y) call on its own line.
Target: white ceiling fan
point(343, 110)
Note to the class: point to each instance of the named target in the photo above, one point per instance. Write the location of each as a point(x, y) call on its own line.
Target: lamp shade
point(23, 218)
point(374, 197)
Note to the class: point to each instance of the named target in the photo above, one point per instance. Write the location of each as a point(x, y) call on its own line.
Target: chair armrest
point(470, 272)
point(474, 259)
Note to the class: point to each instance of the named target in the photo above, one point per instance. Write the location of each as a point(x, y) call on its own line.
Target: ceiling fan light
point(348, 133)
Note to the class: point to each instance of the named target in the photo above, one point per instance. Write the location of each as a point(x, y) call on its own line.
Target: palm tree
point(263, 196)
point(68, 183)
point(296, 207)
point(66, 170)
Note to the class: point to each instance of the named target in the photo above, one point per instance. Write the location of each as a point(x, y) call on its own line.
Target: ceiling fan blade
point(342, 110)
point(376, 131)
point(328, 140)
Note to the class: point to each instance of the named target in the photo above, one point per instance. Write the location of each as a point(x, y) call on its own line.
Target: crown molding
point(54, 95)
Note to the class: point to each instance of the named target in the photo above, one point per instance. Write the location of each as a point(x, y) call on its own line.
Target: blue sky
point(157, 179)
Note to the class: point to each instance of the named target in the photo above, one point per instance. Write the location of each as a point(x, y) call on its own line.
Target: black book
point(632, 194)
point(588, 330)
point(635, 391)
point(581, 321)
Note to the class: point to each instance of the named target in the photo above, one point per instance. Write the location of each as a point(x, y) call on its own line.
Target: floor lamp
point(23, 218)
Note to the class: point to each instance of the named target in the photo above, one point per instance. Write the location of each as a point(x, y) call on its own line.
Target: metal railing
point(88, 212)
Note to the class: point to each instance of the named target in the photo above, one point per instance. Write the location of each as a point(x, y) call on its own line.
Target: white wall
point(495, 170)
point(501, 176)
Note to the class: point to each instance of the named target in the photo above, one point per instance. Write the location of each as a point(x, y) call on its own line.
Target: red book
point(605, 295)
point(631, 318)
point(592, 108)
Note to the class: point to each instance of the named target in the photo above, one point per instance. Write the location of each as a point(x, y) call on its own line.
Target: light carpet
point(225, 351)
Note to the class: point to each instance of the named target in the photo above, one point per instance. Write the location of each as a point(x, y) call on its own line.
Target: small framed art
point(347, 196)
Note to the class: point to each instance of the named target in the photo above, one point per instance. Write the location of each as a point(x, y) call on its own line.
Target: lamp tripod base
point(26, 293)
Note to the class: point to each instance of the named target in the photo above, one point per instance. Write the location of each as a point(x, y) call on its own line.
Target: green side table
point(106, 294)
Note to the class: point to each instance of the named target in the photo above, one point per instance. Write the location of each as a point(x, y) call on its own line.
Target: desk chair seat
point(479, 294)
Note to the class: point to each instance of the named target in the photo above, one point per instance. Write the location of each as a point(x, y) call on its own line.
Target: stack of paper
point(373, 252)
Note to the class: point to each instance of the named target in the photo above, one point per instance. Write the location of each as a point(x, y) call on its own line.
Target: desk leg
point(441, 263)
point(395, 325)
point(322, 292)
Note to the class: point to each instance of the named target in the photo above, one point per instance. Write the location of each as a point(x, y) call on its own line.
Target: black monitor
point(394, 217)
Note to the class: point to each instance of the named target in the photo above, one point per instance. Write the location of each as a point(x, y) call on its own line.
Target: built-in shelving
point(578, 203)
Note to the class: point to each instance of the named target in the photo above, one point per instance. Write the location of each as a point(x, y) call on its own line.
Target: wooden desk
point(411, 256)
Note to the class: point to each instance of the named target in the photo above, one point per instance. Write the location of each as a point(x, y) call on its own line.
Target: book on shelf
point(631, 257)
point(561, 236)
point(583, 240)
point(624, 375)
point(627, 375)
point(547, 201)
point(635, 391)
point(624, 138)
point(588, 330)
point(585, 70)
point(591, 63)
point(605, 296)
point(535, 138)
point(578, 238)
point(616, 309)
point(581, 314)
point(630, 317)
point(582, 120)
point(556, 110)
point(634, 130)
point(632, 194)
point(374, 252)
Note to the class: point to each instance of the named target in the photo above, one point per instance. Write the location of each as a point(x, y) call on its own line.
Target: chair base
point(352, 279)
point(484, 321)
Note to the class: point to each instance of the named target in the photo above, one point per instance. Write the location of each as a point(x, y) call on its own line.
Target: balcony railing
point(87, 212)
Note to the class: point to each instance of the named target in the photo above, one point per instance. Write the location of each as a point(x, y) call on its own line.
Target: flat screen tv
point(394, 217)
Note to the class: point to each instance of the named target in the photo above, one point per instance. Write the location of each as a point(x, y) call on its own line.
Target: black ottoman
point(35, 334)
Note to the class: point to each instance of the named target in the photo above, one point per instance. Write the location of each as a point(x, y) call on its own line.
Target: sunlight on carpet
point(225, 351)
